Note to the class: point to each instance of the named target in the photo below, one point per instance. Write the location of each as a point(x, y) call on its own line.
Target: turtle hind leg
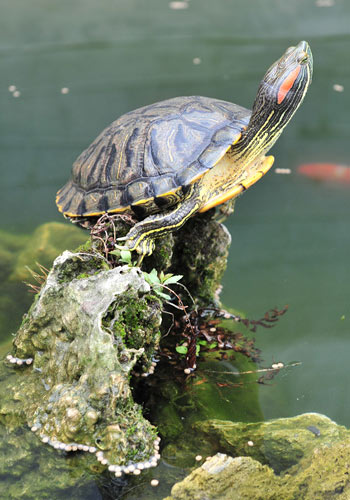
point(141, 237)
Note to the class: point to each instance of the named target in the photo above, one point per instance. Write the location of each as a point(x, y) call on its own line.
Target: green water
point(290, 235)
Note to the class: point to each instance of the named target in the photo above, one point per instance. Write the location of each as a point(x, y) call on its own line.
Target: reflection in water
point(290, 237)
point(326, 172)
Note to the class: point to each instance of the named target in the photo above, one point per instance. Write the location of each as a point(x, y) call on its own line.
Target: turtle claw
point(143, 247)
point(120, 247)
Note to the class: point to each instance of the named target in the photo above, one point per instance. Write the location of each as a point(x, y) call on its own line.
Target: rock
point(226, 478)
point(322, 474)
point(200, 255)
point(89, 327)
point(198, 251)
point(280, 443)
point(309, 453)
point(30, 471)
point(44, 245)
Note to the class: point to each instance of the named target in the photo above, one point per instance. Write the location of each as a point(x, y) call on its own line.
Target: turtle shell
point(147, 158)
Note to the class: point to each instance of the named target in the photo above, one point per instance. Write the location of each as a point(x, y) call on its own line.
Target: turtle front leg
point(141, 237)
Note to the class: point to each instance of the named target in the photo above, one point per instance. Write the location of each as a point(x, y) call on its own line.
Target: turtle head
point(280, 93)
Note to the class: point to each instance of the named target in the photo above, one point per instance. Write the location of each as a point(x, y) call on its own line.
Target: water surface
point(290, 234)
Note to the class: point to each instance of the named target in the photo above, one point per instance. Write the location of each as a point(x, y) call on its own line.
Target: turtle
point(170, 160)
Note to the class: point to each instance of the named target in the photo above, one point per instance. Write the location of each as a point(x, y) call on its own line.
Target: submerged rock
point(308, 459)
point(44, 245)
point(89, 327)
point(225, 478)
point(20, 252)
point(31, 471)
point(279, 443)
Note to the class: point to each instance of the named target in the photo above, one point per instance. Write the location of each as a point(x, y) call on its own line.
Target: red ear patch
point(287, 84)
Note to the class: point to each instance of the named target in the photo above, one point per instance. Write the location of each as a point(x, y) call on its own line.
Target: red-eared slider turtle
point(169, 160)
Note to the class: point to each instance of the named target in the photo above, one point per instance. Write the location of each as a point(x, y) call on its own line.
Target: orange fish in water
point(326, 172)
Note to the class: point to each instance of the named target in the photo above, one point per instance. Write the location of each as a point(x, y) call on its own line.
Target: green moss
point(132, 321)
point(200, 255)
point(82, 266)
point(85, 247)
point(78, 388)
point(82, 276)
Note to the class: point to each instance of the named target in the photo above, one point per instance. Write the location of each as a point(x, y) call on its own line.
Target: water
point(290, 237)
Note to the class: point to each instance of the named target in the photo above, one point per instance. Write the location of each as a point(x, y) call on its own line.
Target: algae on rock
point(279, 443)
point(77, 390)
point(200, 255)
point(90, 327)
point(305, 457)
point(226, 478)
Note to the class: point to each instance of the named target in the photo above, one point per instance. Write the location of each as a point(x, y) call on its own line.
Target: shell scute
point(151, 152)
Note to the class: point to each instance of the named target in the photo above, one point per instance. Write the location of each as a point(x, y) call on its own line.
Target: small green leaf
point(152, 277)
point(202, 342)
point(342, 317)
point(163, 295)
point(181, 349)
point(115, 252)
point(173, 279)
point(125, 256)
point(198, 348)
point(166, 276)
point(213, 345)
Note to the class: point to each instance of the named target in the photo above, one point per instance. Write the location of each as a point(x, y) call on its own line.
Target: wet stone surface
point(75, 394)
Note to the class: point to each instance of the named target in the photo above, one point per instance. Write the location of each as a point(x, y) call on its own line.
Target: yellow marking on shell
point(198, 176)
point(168, 193)
point(118, 210)
point(94, 214)
point(143, 202)
point(59, 206)
point(89, 214)
point(238, 186)
point(169, 148)
point(121, 155)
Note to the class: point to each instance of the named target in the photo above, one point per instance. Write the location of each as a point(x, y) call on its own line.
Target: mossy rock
point(200, 255)
point(176, 405)
point(280, 443)
point(44, 245)
point(226, 478)
point(323, 473)
point(77, 389)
